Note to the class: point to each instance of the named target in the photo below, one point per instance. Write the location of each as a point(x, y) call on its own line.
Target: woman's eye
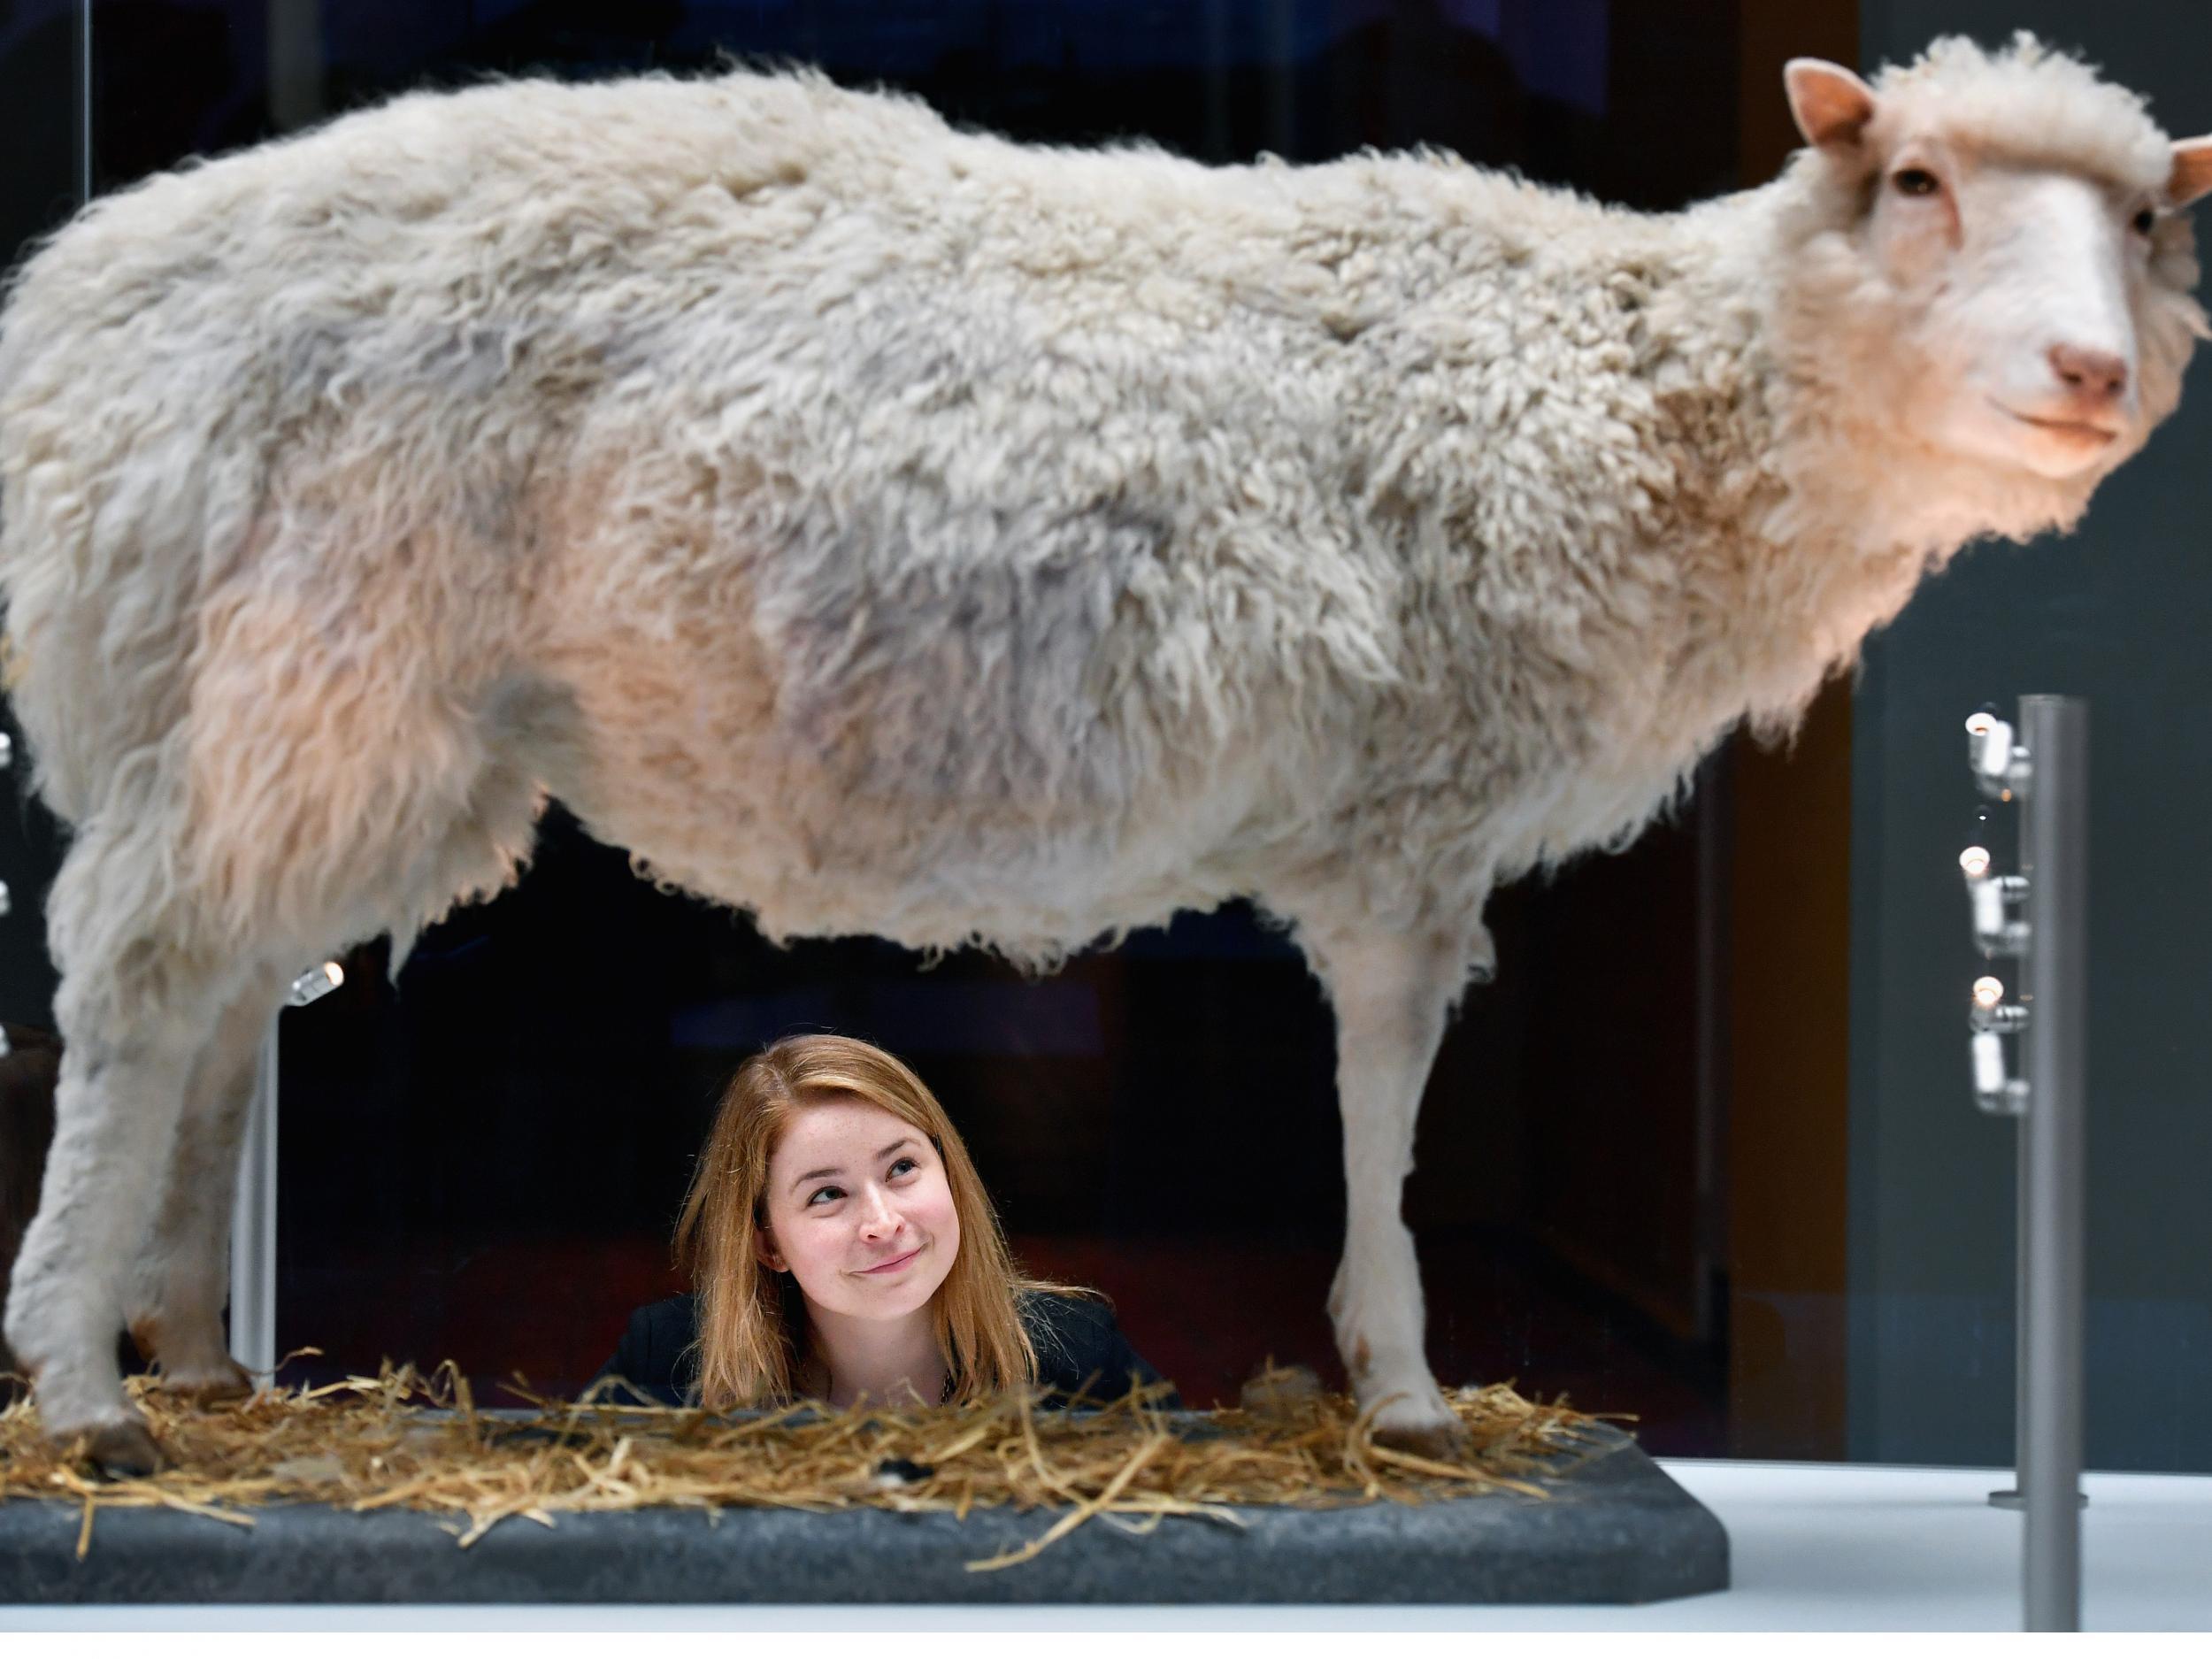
point(1915, 181)
point(903, 1165)
point(820, 1192)
point(2146, 221)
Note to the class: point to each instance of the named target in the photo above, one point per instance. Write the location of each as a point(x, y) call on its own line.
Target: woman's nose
point(878, 1218)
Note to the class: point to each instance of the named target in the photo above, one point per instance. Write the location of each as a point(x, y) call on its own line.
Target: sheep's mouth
point(2080, 431)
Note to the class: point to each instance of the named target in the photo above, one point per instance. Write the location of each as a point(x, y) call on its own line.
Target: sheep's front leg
point(175, 1307)
point(1391, 995)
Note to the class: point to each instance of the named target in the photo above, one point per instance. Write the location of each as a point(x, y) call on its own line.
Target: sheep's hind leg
point(1391, 995)
point(175, 1305)
point(134, 1009)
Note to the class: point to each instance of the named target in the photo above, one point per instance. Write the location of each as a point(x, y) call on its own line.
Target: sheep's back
point(997, 474)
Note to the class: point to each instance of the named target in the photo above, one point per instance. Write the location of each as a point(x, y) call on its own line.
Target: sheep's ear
point(2191, 176)
point(1832, 105)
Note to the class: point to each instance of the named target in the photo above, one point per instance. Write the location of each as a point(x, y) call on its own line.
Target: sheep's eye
point(2146, 221)
point(1915, 181)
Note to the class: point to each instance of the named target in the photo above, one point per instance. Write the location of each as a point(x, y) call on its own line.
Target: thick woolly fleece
point(896, 529)
point(893, 529)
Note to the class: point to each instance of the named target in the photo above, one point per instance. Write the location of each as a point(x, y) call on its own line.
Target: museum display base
point(1613, 1528)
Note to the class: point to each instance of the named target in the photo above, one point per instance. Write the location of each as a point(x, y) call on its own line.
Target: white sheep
point(891, 529)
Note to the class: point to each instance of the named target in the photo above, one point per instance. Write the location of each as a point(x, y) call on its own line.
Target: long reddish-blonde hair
point(752, 1322)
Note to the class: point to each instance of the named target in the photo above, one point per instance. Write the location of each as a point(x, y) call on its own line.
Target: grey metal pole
point(253, 1224)
point(2009, 1497)
point(1282, 47)
point(1216, 81)
point(83, 66)
point(2055, 858)
point(295, 63)
point(2022, 1175)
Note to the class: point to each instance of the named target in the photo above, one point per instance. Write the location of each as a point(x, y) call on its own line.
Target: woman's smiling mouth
point(895, 1263)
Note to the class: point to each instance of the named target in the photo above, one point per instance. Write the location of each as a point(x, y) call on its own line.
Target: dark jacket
point(1075, 1337)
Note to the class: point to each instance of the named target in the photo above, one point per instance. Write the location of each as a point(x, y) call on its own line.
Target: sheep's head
point(1994, 259)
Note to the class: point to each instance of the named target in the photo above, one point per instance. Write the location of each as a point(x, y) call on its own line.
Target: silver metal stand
point(295, 63)
point(2050, 773)
point(253, 1225)
point(81, 48)
point(253, 1217)
point(2055, 849)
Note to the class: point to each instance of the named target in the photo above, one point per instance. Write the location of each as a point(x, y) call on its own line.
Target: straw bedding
point(400, 1439)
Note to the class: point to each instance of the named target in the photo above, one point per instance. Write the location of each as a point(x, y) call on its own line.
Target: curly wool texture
point(893, 529)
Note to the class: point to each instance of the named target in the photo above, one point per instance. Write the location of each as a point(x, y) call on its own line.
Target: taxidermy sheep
point(890, 529)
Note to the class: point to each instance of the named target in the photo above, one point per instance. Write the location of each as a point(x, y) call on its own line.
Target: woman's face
point(859, 1210)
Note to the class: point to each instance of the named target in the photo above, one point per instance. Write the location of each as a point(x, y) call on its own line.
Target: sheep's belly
point(757, 817)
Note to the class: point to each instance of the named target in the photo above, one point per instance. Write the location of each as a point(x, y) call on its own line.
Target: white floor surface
point(1815, 1547)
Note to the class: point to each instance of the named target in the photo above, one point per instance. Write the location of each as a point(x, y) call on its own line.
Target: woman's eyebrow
point(801, 1181)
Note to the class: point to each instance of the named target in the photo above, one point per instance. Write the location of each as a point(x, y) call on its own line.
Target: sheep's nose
point(2092, 378)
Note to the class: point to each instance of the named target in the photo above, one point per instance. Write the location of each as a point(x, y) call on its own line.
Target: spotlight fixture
point(318, 981)
point(1995, 934)
point(2001, 766)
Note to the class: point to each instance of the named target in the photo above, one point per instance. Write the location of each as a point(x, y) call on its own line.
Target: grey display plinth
point(1615, 1529)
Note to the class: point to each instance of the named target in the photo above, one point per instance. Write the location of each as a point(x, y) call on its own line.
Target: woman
point(840, 1243)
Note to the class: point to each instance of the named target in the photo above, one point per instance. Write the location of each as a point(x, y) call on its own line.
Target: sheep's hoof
point(229, 1380)
point(1445, 1442)
point(119, 1451)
